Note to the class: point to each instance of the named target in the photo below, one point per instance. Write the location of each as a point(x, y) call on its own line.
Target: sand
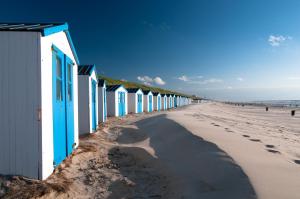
point(209, 150)
point(265, 144)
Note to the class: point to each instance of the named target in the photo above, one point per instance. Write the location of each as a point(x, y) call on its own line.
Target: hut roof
point(113, 87)
point(85, 69)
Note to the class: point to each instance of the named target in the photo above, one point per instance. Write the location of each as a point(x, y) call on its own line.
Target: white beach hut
point(177, 100)
point(157, 101)
point(38, 98)
point(164, 101)
point(87, 99)
point(174, 101)
point(170, 101)
point(148, 101)
point(116, 96)
point(135, 100)
point(102, 101)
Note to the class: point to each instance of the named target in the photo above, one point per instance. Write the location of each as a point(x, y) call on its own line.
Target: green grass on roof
point(110, 81)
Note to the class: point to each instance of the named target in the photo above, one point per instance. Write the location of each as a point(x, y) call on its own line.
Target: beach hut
point(116, 96)
point(175, 100)
point(38, 98)
point(157, 101)
point(102, 102)
point(164, 100)
point(135, 100)
point(148, 101)
point(87, 99)
point(170, 101)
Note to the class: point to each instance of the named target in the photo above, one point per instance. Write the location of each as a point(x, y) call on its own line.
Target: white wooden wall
point(20, 100)
point(155, 102)
point(59, 40)
point(83, 104)
point(101, 107)
point(111, 100)
point(164, 105)
point(132, 102)
point(94, 78)
point(146, 102)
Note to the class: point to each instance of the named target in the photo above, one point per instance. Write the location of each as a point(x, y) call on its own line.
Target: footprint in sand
point(215, 124)
point(273, 151)
point(255, 140)
point(228, 130)
point(270, 146)
point(246, 136)
point(297, 161)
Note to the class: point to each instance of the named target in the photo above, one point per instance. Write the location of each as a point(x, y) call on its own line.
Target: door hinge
point(39, 114)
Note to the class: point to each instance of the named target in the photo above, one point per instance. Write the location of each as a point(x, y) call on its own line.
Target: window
point(59, 92)
point(69, 82)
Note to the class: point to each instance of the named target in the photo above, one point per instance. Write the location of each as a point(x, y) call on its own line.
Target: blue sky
point(226, 49)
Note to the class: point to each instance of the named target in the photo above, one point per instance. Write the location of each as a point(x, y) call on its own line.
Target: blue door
point(121, 102)
point(175, 102)
point(94, 117)
point(139, 105)
point(158, 103)
point(150, 103)
point(69, 105)
point(104, 106)
point(63, 106)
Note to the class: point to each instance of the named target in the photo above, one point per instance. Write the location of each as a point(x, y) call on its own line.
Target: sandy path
point(265, 145)
point(196, 168)
point(200, 151)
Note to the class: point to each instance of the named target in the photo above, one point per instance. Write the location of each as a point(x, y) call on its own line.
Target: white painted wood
point(60, 40)
point(155, 101)
point(133, 101)
point(84, 116)
point(26, 119)
point(146, 101)
point(19, 103)
point(85, 103)
point(164, 102)
point(112, 102)
point(101, 105)
point(93, 77)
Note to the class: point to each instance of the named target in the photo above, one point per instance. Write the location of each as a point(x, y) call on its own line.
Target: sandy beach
point(208, 150)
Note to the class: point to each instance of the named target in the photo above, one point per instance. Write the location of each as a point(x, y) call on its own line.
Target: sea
point(278, 103)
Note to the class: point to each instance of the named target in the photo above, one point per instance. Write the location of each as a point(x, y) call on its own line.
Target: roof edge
point(55, 29)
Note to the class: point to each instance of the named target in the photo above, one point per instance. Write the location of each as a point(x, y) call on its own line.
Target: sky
point(220, 49)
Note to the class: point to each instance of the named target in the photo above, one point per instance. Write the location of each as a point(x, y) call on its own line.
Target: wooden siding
point(20, 97)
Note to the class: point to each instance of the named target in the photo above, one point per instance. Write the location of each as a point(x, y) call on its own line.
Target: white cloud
point(229, 87)
point(198, 80)
point(148, 80)
point(159, 81)
point(145, 78)
point(207, 81)
point(240, 79)
point(212, 81)
point(276, 41)
point(189, 78)
point(183, 78)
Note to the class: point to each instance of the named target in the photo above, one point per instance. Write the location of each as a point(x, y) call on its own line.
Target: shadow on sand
point(184, 166)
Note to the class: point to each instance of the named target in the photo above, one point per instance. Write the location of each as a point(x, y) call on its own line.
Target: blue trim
point(72, 46)
point(55, 29)
point(64, 27)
